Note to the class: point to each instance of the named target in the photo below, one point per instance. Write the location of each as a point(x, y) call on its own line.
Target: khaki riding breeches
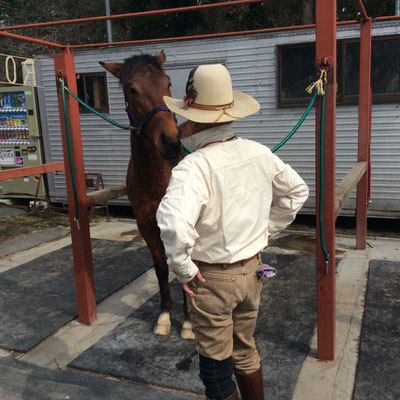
point(224, 312)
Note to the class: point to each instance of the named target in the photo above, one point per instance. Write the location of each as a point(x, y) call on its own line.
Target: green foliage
point(240, 17)
point(374, 8)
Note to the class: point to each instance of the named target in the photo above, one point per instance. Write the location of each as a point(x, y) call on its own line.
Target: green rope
point(304, 116)
point(277, 147)
point(321, 180)
point(71, 165)
point(96, 112)
point(294, 130)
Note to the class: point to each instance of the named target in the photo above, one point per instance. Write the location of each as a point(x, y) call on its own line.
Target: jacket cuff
point(189, 274)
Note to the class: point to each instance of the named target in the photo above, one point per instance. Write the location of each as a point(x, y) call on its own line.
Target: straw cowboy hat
point(210, 99)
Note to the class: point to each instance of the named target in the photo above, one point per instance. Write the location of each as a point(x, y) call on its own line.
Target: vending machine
point(20, 141)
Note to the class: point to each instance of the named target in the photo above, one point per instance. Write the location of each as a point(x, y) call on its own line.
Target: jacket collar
point(201, 139)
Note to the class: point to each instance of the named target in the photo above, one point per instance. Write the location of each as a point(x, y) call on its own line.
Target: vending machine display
point(20, 141)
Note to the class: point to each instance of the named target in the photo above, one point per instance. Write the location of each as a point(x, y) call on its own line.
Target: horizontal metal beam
point(136, 14)
point(104, 195)
point(347, 185)
point(29, 39)
point(29, 171)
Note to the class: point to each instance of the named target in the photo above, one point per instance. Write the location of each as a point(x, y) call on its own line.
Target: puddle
point(301, 243)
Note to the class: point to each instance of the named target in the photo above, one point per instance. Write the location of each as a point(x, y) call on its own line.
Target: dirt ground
point(38, 219)
point(35, 220)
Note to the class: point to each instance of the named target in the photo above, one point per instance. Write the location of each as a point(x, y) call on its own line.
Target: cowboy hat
point(210, 99)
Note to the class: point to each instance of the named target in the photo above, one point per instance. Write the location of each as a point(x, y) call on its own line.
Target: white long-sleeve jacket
point(224, 201)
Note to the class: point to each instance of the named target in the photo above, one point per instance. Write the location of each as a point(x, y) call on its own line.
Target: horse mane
point(134, 63)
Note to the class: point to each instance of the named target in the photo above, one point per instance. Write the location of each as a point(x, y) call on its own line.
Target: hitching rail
point(347, 185)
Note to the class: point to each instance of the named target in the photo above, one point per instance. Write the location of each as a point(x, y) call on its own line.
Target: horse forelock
point(135, 63)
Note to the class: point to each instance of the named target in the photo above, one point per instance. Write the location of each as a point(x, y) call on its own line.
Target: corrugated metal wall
point(252, 63)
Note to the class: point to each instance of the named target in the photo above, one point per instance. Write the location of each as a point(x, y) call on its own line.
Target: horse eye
point(132, 91)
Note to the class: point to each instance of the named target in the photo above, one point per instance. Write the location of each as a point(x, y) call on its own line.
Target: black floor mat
point(285, 325)
point(38, 297)
point(19, 380)
point(378, 375)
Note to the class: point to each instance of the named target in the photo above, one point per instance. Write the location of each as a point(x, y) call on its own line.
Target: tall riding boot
point(251, 385)
point(233, 396)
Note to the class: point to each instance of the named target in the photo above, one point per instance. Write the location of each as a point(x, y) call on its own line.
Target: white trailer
point(255, 63)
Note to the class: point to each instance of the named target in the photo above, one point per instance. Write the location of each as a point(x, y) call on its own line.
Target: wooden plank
point(29, 171)
point(349, 182)
point(104, 195)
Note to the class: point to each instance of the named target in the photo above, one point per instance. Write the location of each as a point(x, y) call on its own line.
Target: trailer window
point(92, 89)
point(297, 69)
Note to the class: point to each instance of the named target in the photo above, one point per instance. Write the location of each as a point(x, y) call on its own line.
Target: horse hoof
point(162, 330)
point(187, 333)
point(163, 324)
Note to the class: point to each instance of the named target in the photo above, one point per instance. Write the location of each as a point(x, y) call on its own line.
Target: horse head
point(144, 83)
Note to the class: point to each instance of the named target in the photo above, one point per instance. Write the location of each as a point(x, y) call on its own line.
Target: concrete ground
point(317, 380)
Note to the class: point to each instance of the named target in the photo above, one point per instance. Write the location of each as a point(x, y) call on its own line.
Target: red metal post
point(364, 132)
point(325, 55)
point(80, 233)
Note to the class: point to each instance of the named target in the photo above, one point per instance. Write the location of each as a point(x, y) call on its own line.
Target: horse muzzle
point(173, 149)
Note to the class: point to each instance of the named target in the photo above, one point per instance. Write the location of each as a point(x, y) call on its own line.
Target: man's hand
point(185, 286)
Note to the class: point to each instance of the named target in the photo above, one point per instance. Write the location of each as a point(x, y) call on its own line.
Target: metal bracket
point(326, 64)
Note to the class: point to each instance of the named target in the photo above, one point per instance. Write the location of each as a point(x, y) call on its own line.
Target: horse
point(155, 149)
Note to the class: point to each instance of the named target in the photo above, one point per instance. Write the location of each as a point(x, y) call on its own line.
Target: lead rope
point(320, 87)
point(71, 165)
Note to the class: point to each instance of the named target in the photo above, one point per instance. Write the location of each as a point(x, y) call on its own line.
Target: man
point(215, 219)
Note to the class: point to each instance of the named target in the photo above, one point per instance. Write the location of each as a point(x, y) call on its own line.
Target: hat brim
point(244, 105)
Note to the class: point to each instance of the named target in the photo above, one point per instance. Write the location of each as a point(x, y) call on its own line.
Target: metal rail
point(136, 14)
point(33, 40)
point(29, 171)
point(360, 7)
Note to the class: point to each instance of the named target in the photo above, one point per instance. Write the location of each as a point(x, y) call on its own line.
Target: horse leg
point(151, 235)
point(163, 324)
point(186, 332)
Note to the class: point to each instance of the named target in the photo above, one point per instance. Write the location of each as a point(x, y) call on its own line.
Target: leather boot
point(251, 386)
point(233, 396)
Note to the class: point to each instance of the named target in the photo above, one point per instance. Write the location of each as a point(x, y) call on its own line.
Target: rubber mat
point(285, 326)
point(379, 357)
point(19, 380)
point(38, 297)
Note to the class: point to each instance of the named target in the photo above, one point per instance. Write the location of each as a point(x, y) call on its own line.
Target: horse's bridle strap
point(138, 125)
point(211, 108)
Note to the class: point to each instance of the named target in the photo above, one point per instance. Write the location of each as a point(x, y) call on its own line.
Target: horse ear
point(113, 67)
point(161, 57)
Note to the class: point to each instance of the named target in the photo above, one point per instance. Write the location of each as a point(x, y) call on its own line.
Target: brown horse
point(155, 150)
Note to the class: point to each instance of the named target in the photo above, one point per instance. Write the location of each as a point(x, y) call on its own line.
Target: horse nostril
point(172, 147)
point(166, 141)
